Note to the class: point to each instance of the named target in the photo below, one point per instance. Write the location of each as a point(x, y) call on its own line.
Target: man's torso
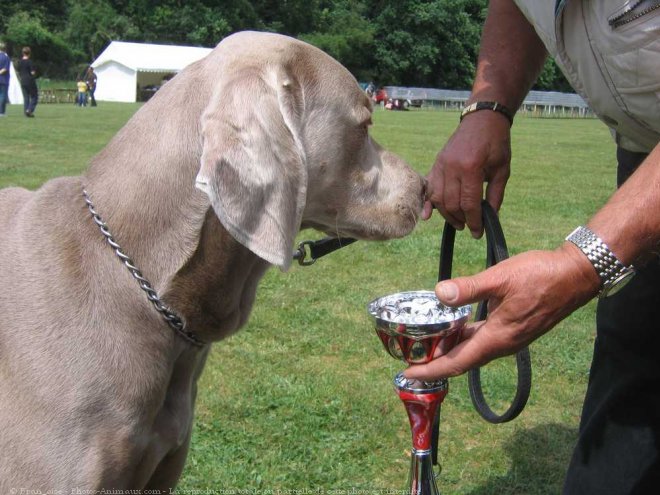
point(611, 57)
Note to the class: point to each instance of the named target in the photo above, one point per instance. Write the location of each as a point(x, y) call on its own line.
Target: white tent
point(133, 71)
point(15, 92)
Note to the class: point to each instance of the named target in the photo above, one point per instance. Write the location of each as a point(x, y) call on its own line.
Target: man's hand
point(479, 151)
point(528, 294)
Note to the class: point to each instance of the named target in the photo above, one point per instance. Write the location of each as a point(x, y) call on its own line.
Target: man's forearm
point(510, 59)
point(629, 223)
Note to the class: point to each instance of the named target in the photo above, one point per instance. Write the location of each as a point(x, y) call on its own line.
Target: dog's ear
point(253, 166)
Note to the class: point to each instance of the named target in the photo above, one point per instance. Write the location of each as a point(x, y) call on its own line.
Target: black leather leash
point(496, 251)
point(309, 251)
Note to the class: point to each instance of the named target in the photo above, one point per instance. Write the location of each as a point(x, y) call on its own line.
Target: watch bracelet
point(604, 261)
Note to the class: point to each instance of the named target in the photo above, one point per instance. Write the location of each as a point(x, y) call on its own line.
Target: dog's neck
point(215, 288)
point(168, 227)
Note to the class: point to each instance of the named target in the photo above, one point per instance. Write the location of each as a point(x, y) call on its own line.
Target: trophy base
point(422, 401)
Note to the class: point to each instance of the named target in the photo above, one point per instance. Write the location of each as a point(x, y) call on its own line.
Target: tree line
point(424, 43)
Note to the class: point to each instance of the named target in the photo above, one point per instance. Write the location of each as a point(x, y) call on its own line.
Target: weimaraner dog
point(204, 188)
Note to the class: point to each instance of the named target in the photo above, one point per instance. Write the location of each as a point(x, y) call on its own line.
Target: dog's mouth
point(372, 228)
point(392, 216)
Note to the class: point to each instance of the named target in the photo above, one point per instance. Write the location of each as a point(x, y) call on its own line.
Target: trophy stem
point(422, 401)
point(421, 479)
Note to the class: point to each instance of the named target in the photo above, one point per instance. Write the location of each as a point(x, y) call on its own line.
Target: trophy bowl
point(412, 325)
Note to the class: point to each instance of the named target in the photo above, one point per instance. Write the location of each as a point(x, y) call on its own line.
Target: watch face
point(617, 284)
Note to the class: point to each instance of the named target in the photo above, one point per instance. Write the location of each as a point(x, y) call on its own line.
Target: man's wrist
point(612, 273)
point(585, 275)
point(493, 106)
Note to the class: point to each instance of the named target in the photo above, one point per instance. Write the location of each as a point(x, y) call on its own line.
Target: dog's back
point(12, 199)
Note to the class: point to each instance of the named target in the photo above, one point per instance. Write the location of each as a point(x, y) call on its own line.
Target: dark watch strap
point(487, 105)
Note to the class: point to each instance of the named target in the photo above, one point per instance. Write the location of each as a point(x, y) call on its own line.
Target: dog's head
point(286, 146)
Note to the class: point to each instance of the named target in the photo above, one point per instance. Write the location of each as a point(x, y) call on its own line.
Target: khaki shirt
point(610, 57)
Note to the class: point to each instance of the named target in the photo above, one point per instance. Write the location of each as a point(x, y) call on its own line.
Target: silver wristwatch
point(613, 274)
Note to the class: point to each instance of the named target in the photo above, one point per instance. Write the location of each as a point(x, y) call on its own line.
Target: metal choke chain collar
point(172, 319)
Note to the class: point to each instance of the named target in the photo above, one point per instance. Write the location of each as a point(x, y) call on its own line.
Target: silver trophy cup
point(412, 327)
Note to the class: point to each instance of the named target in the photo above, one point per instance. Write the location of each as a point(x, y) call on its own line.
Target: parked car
point(395, 99)
point(412, 99)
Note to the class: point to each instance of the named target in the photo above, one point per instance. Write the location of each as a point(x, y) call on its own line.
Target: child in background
point(81, 97)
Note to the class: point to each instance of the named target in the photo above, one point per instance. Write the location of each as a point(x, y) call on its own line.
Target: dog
point(202, 191)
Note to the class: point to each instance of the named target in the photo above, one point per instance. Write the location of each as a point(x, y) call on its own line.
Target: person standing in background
point(90, 79)
point(81, 97)
point(28, 75)
point(4, 79)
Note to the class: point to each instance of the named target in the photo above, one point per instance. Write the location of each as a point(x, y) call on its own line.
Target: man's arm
point(510, 58)
point(630, 221)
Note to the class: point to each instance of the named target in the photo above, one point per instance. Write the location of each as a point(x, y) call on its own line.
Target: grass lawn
point(301, 399)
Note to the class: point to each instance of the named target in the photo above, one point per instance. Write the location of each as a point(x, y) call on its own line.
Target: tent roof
point(150, 58)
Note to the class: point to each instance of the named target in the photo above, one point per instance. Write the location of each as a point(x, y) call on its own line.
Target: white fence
point(537, 103)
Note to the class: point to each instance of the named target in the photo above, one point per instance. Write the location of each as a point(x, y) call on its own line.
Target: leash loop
point(496, 252)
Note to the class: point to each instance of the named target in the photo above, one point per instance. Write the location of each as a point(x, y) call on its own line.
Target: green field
point(301, 399)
